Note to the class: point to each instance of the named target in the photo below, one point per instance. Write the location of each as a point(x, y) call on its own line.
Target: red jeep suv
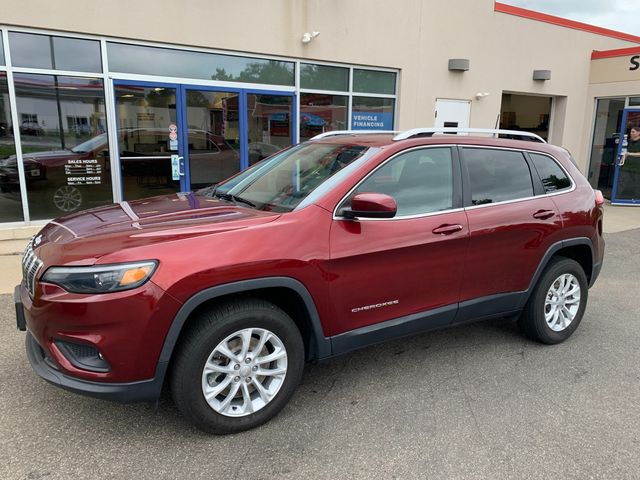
point(341, 242)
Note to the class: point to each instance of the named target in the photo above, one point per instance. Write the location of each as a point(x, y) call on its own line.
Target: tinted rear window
point(552, 176)
point(497, 175)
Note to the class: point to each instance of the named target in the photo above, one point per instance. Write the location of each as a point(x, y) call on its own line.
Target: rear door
point(512, 223)
point(383, 269)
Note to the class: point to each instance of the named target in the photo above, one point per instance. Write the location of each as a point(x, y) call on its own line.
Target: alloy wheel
point(562, 302)
point(244, 372)
point(67, 198)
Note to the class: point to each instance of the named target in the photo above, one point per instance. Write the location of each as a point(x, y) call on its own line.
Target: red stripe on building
point(620, 52)
point(563, 22)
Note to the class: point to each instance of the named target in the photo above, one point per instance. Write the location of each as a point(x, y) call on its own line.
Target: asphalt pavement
point(478, 401)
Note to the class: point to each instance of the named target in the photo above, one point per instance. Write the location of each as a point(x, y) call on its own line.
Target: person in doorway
point(630, 167)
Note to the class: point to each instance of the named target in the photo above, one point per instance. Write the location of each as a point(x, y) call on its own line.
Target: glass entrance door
point(213, 135)
point(174, 138)
point(626, 186)
point(149, 129)
point(270, 124)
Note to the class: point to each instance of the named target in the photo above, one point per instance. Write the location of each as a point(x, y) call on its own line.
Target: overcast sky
point(622, 15)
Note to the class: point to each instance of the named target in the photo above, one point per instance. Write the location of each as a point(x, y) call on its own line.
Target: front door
point(174, 137)
point(213, 136)
point(626, 182)
point(407, 267)
point(149, 128)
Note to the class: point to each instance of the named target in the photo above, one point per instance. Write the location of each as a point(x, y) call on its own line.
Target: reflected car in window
point(65, 181)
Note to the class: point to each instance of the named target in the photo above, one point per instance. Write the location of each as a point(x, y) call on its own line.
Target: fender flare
point(551, 251)
point(322, 344)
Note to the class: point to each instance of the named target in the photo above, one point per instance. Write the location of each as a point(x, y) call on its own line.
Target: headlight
point(101, 278)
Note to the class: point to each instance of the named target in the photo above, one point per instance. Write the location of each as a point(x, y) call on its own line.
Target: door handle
point(447, 229)
point(181, 166)
point(544, 214)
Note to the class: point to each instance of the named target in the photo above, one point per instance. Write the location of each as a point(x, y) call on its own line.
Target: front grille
point(30, 267)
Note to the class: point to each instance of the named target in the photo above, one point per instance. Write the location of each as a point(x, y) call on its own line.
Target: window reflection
point(2, 62)
point(213, 136)
point(10, 200)
point(372, 81)
point(207, 66)
point(147, 121)
point(323, 77)
point(497, 175)
point(64, 143)
point(58, 53)
point(321, 113)
point(270, 129)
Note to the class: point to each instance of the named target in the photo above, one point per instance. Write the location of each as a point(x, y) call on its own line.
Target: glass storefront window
point(57, 53)
point(207, 66)
point(605, 144)
point(2, 62)
point(270, 128)
point(321, 113)
point(634, 102)
point(372, 81)
point(10, 199)
point(213, 136)
point(372, 113)
point(322, 77)
point(64, 143)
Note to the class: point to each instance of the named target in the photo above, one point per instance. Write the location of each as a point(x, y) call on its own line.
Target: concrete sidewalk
point(13, 242)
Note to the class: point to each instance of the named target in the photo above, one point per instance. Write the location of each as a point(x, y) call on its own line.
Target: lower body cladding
point(105, 346)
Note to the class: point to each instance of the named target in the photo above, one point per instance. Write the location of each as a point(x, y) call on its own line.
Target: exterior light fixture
point(458, 64)
point(542, 75)
point(307, 37)
point(480, 95)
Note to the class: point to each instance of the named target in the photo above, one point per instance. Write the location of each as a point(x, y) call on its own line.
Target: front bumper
point(147, 390)
point(127, 329)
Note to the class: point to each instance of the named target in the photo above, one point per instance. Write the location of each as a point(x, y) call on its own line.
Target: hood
point(84, 237)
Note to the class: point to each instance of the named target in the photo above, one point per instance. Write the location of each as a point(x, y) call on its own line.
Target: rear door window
point(497, 175)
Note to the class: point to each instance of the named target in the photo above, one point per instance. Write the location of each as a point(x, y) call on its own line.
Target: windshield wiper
point(234, 198)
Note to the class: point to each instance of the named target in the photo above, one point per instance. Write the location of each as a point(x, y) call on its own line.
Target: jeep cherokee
point(331, 245)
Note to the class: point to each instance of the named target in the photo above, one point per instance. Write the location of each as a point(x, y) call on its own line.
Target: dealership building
point(111, 102)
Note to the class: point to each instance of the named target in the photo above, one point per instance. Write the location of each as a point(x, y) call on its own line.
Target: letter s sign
point(635, 62)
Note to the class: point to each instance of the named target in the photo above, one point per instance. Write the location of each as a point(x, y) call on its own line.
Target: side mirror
point(371, 205)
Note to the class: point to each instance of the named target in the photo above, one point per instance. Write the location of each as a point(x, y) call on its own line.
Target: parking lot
point(478, 401)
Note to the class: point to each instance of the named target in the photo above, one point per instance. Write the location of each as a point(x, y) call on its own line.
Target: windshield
point(280, 183)
point(91, 144)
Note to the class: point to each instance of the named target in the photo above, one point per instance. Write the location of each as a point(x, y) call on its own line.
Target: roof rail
point(349, 132)
point(427, 132)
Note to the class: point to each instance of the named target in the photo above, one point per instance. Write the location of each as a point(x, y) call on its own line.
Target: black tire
point(206, 332)
point(532, 321)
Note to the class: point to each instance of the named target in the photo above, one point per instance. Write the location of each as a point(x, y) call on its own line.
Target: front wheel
point(237, 366)
point(67, 198)
point(557, 303)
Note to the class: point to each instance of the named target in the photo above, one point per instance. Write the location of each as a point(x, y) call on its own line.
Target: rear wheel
point(557, 304)
point(237, 367)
